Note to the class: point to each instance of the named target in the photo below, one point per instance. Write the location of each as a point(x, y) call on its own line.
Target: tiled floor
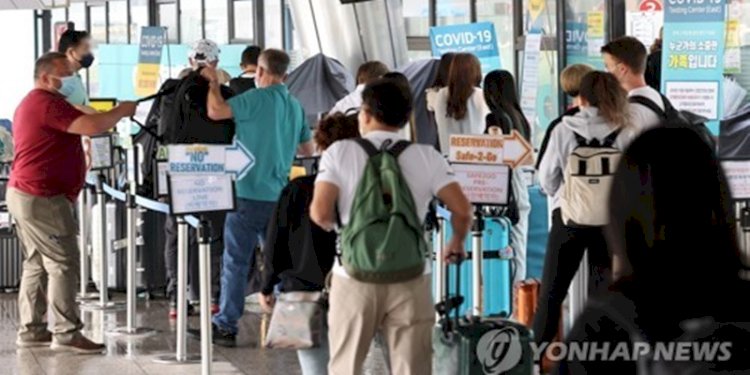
point(135, 357)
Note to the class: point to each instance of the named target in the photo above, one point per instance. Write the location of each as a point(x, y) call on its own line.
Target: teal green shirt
point(79, 96)
point(270, 123)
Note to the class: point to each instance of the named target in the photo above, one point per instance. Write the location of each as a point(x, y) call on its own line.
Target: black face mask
point(86, 60)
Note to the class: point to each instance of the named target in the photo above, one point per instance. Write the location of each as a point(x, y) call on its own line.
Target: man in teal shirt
point(270, 123)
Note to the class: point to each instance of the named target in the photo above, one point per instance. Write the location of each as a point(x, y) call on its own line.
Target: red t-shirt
point(48, 161)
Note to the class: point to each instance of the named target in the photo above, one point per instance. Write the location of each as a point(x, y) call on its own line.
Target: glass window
point(98, 23)
point(118, 22)
point(168, 19)
point(585, 32)
point(540, 15)
point(453, 12)
point(417, 17)
point(58, 18)
point(244, 21)
point(190, 21)
point(500, 12)
point(216, 21)
point(274, 34)
point(77, 15)
point(138, 19)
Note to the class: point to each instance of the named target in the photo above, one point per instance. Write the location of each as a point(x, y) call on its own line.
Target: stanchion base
point(171, 359)
point(109, 306)
point(135, 333)
point(87, 297)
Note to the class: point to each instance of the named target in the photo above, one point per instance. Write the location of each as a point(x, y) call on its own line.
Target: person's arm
point(550, 168)
point(461, 216)
point(218, 108)
point(306, 149)
point(323, 206)
point(85, 109)
point(326, 193)
point(100, 122)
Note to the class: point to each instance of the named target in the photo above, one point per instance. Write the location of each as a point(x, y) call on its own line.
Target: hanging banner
point(478, 39)
point(149, 61)
point(693, 57)
point(530, 81)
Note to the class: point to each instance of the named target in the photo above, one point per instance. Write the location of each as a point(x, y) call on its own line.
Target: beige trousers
point(47, 229)
point(403, 312)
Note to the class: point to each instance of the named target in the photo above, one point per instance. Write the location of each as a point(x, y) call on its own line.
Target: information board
point(101, 152)
point(738, 177)
point(149, 60)
point(162, 168)
point(484, 184)
point(693, 56)
point(102, 104)
point(192, 194)
point(477, 38)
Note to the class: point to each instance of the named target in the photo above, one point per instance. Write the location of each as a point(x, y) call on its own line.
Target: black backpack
point(188, 122)
point(678, 119)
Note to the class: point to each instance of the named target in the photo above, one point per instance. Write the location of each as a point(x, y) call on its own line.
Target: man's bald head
point(54, 63)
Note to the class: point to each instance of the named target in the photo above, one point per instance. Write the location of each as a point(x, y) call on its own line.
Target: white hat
point(204, 50)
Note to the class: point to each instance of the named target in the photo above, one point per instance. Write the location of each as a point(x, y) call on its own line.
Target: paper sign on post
point(484, 184)
point(200, 193)
point(511, 149)
point(101, 152)
point(738, 177)
point(162, 187)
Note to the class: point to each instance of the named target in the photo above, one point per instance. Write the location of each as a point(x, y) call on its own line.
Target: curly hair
point(335, 127)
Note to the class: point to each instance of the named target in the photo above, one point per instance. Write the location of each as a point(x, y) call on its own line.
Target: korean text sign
point(693, 57)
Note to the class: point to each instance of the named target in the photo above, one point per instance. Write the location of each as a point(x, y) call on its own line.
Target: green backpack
point(384, 241)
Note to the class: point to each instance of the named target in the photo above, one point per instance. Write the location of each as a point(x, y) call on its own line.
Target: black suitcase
point(477, 346)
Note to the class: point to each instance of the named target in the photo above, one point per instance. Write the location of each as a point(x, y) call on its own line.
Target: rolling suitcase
point(477, 346)
point(11, 258)
point(497, 257)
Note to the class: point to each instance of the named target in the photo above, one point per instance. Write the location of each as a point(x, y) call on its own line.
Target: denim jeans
point(243, 229)
point(315, 361)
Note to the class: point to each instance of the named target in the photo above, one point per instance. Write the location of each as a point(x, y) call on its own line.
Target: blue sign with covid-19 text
point(478, 39)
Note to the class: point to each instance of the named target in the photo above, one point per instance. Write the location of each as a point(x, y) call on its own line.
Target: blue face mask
point(69, 85)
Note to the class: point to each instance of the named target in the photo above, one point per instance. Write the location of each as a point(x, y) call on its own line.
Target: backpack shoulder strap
point(397, 149)
point(609, 141)
point(648, 103)
point(580, 140)
point(369, 148)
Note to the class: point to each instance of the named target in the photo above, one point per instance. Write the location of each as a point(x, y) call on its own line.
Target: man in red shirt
point(47, 175)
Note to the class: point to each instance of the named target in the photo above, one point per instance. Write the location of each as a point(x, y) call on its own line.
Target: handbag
point(297, 321)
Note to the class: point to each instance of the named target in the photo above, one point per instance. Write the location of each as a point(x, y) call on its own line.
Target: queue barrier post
point(83, 246)
point(130, 330)
point(204, 265)
point(101, 228)
point(181, 356)
point(439, 261)
point(477, 256)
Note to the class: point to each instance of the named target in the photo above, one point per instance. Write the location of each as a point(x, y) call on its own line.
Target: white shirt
point(353, 100)
point(473, 123)
point(644, 118)
point(425, 170)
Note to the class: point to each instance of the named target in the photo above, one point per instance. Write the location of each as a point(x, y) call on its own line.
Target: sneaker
point(44, 340)
point(221, 336)
point(80, 345)
point(173, 310)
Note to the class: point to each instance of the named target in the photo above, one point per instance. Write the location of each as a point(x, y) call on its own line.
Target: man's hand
point(266, 302)
point(209, 73)
point(127, 109)
point(454, 252)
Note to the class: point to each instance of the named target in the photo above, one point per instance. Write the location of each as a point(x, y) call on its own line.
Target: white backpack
point(588, 180)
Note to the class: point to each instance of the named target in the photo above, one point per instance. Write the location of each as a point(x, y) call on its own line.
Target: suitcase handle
point(449, 303)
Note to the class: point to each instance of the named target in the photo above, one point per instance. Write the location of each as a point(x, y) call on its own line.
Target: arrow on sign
point(238, 159)
point(516, 150)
